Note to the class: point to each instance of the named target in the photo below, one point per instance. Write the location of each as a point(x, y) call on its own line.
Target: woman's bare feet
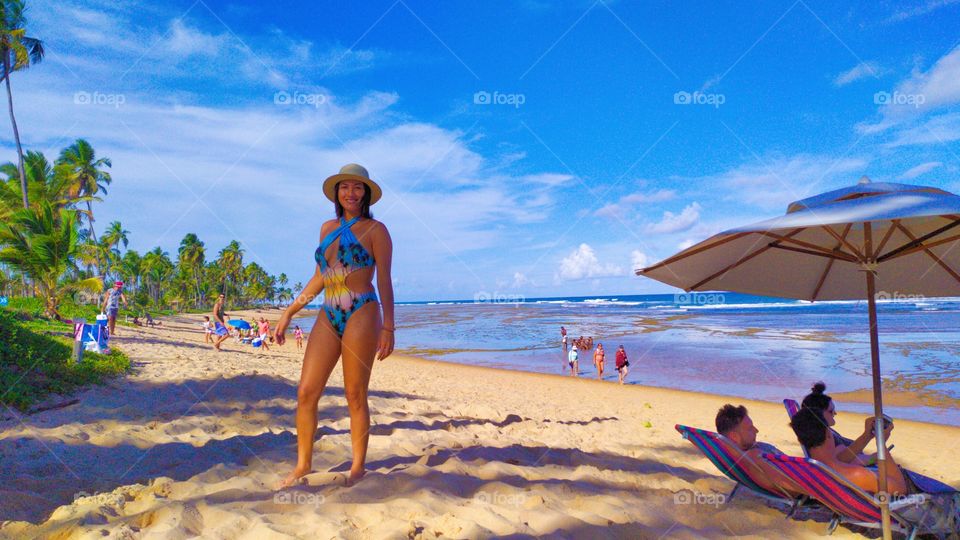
point(355, 477)
point(294, 477)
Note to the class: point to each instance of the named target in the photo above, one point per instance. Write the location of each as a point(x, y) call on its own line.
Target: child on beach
point(298, 334)
point(207, 329)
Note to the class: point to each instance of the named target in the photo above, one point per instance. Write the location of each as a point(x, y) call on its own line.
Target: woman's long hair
point(364, 202)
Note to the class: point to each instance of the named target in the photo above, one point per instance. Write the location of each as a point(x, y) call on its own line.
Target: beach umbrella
point(867, 241)
point(239, 323)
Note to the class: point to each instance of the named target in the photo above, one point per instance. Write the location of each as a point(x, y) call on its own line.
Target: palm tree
point(42, 243)
point(192, 254)
point(230, 259)
point(116, 235)
point(157, 267)
point(19, 52)
point(131, 269)
point(79, 163)
point(44, 183)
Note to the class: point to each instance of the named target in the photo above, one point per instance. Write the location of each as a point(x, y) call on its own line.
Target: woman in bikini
point(350, 325)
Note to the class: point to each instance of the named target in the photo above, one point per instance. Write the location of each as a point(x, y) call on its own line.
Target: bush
point(34, 365)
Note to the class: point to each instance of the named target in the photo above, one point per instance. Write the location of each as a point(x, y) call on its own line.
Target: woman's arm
point(383, 254)
point(307, 295)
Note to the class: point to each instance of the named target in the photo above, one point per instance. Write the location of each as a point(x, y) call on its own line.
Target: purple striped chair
point(736, 465)
point(850, 504)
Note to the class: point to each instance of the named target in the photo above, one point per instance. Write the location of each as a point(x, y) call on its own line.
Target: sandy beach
point(191, 443)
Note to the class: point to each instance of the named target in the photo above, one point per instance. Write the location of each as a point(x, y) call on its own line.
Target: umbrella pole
point(882, 494)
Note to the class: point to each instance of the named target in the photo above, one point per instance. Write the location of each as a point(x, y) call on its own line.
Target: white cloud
point(582, 263)
point(860, 71)
point(922, 92)
point(917, 11)
point(520, 279)
point(937, 130)
point(921, 169)
point(673, 223)
point(638, 259)
point(686, 243)
point(778, 181)
point(629, 202)
point(184, 41)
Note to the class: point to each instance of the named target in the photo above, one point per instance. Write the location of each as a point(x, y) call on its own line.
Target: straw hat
point(351, 171)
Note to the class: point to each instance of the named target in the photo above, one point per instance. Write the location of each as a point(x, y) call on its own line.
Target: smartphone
point(887, 421)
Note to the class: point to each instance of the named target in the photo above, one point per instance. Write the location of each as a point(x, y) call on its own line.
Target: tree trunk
point(93, 235)
point(16, 132)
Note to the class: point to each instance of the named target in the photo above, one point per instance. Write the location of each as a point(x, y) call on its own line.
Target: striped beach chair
point(850, 504)
point(736, 465)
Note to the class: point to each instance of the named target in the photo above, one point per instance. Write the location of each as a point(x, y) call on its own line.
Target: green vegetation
point(34, 365)
point(53, 266)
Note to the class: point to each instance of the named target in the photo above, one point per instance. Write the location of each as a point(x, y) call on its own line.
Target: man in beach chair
point(734, 423)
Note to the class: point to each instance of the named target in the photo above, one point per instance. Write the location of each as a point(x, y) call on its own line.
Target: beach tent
point(868, 241)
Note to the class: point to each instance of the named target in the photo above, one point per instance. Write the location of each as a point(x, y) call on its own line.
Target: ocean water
point(726, 343)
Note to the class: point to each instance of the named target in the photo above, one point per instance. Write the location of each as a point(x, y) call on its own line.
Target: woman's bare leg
point(359, 348)
point(323, 350)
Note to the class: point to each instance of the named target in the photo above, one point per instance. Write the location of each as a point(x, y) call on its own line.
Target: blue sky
point(525, 148)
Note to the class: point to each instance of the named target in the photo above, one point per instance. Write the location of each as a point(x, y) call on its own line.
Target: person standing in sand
point(111, 305)
point(352, 247)
point(622, 364)
point(598, 356)
point(573, 360)
point(207, 329)
point(264, 330)
point(219, 323)
point(298, 335)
